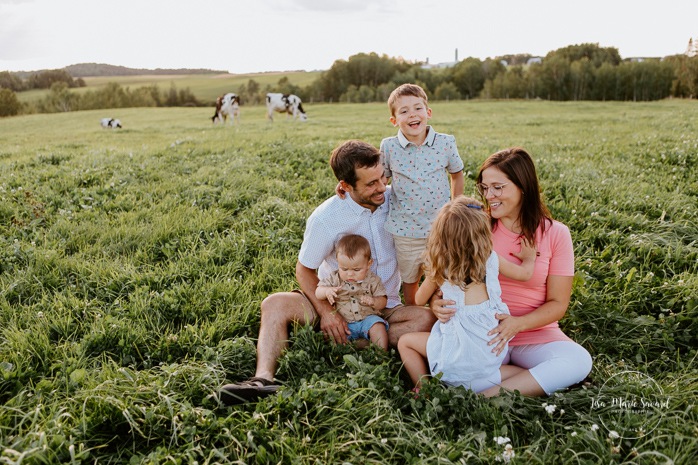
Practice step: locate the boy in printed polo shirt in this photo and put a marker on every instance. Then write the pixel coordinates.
(419, 160)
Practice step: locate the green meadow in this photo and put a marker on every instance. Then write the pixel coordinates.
(133, 263)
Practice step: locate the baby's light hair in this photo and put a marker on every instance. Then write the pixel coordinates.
(459, 244)
(352, 245)
(404, 90)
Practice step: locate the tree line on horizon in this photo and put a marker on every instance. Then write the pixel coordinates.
(575, 72)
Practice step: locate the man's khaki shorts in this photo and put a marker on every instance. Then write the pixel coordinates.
(409, 257)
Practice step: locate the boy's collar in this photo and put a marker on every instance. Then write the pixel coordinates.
(429, 140)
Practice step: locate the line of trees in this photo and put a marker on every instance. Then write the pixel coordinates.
(62, 99)
(579, 72)
(576, 72)
(41, 80)
(113, 95)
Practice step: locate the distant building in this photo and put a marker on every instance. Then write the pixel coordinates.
(641, 59)
(445, 64)
(534, 60)
(692, 48)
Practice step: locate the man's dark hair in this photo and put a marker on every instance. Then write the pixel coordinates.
(351, 155)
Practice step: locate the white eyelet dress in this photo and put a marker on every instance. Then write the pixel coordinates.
(458, 348)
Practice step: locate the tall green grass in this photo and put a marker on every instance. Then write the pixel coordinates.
(133, 263)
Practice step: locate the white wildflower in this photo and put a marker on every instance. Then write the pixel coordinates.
(501, 440)
(384, 441)
(574, 433)
(594, 427)
(549, 408)
(613, 434)
(508, 453)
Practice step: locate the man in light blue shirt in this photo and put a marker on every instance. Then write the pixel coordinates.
(363, 211)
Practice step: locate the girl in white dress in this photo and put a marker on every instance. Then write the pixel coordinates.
(461, 262)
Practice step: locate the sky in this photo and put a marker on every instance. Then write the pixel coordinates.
(248, 36)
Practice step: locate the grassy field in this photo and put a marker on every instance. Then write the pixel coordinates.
(206, 87)
(133, 263)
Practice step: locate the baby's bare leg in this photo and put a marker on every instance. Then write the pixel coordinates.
(378, 335)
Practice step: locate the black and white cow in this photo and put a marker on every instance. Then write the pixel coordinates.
(110, 123)
(285, 103)
(227, 105)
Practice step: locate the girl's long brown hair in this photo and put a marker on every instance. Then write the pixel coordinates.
(459, 244)
(518, 166)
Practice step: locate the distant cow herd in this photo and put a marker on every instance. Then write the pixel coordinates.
(228, 106)
(228, 109)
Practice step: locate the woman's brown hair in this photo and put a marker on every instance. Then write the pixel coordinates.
(518, 166)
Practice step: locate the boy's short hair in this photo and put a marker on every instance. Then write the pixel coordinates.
(406, 89)
(353, 244)
(349, 156)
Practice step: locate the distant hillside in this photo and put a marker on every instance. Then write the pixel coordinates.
(101, 69)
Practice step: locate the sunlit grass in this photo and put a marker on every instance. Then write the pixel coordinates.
(133, 263)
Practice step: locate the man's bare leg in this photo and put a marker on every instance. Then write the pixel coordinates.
(408, 319)
(278, 311)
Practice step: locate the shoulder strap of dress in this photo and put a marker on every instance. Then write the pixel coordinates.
(492, 275)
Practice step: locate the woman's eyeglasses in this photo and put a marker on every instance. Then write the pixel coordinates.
(496, 189)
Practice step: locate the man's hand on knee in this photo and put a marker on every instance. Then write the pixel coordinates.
(334, 327)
